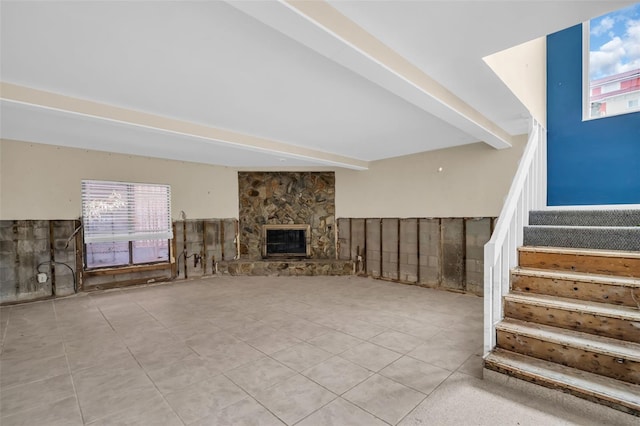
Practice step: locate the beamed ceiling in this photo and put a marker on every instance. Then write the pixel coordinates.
(268, 83)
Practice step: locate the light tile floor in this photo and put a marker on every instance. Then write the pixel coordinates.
(257, 351)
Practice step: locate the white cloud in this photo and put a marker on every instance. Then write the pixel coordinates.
(619, 54)
(612, 45)
(631, 45)
(633, 38)
(605, 25)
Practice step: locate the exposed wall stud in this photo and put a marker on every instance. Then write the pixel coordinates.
(79, 242)
(184, 246)
(350, 238)
(52, 258)
(441, 263)
(173, 253)
(364, 253)
(237, 238)
(204, 247)
(381, 255)
(418, 250)
(222, 241)
(398, 251)
(464, 253)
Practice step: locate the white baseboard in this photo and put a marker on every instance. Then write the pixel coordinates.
(596, 207)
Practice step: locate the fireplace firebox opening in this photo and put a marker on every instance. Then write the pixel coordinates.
(286, 240)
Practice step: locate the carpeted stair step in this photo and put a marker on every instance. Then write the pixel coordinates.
(585, 217)
(593, 387)
(594, 237)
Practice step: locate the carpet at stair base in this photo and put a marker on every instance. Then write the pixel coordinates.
(594, 237)
(585, 217)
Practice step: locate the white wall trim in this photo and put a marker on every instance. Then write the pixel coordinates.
(596, 207)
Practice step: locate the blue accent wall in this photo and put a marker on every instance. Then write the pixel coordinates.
(591, 162)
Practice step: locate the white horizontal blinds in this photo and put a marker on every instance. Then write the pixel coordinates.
(119, 211)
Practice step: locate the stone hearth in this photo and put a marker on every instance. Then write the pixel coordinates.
(291, 267)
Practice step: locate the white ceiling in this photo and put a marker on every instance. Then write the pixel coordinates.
(265, 70)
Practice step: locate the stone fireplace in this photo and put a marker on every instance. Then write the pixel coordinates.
(300, 202)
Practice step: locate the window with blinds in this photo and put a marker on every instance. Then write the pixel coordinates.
(125, 223)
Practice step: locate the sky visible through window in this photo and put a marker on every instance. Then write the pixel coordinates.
(614, 63)
(614, 43)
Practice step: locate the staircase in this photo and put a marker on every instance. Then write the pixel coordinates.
(572, 315)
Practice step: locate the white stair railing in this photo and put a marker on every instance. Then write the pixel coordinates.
(528, 192)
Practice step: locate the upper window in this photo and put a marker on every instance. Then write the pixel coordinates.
(612, 66)
(125, 223)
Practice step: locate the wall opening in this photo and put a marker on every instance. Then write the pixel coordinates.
(286, 241)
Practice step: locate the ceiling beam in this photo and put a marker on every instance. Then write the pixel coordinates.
(322, 28)
(53, 101)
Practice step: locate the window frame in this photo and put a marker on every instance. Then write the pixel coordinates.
(130, 264)
(586, 81)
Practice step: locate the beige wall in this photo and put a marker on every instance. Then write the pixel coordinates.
(473, 182)
(43, 181)
(1, 172)
(523, 69)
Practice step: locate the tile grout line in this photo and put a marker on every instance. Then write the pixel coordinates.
(255, 399)
(6, 327)
(222, 373)
(437, 366)
(364, 307)
(402, 384)
(426, 397)
(317, 409)
(276, 384)
(157, 389)
(10, 387)
(66, 357)
(295, 373)
(341, 396)
(146, 373)
(139, 365)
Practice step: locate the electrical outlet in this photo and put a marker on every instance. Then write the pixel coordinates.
(42, 278)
